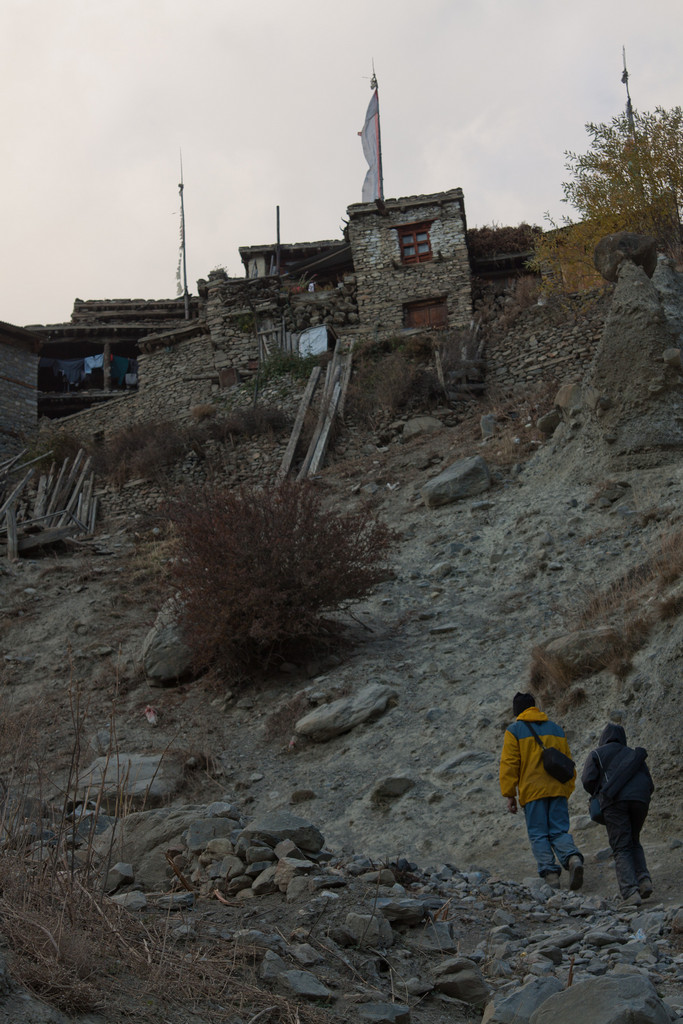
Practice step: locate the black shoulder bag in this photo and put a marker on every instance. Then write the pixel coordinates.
(557, 764)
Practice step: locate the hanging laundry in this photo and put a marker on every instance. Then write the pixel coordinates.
(119, 369)
(93, 363)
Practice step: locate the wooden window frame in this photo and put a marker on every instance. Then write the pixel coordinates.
(409, 244)
(410, 309)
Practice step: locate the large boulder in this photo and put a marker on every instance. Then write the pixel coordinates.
(669, 285)
(344, 714)
(165, 655)
(421, 425)
(606, 1000)
(612, 250)
(142, 840)
(516, 1007)
(274, 827)
(463, 479)
(126, 781)
(638, 424)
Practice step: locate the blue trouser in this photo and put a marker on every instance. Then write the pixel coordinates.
(547, 823)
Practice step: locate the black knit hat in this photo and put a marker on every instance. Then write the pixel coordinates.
(522, 701)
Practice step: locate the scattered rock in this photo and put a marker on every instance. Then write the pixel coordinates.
(342, 715)
(165, 655)
(463, 479)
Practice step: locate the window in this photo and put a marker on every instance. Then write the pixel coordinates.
(414, 242)
(431, 313)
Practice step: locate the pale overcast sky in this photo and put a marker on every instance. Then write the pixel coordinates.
(265, 99)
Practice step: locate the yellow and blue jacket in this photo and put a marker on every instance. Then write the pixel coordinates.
(520, 762)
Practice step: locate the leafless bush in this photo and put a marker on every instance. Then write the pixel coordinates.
(252, 422)
(382, 387)
(256, 569)
(141, 450)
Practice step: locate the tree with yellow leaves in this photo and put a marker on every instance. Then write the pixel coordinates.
(630, 179)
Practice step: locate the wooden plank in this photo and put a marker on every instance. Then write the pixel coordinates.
(305, 402)
(41, 497)
(439, 371)
(347, 366)
(46, 537)
(84, 505)
(323, 440)
(6, 466)
(12, 548)
(93, 516)
(52, 504)
(71, 504)
(333, 371)
(15, 493)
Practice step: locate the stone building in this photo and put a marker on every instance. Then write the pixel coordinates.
(411, 263)
(19, 355)
(401, 265)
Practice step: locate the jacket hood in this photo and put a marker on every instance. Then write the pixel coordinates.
(532, 715)
(613, 733)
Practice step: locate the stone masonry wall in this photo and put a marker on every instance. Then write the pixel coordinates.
(18, 394)
(233, 307)
(545, 344)
(386, 285)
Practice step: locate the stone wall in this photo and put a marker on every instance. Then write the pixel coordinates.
(544, 344)
(386, 285)
(235, 307)
(18, 394)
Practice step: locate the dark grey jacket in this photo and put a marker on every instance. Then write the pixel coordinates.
(616, 771)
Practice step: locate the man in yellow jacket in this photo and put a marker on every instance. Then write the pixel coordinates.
(542, 797)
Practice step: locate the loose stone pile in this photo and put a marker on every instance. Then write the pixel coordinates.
(395, 942)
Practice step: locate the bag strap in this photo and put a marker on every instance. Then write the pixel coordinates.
(602, 776)
(535, 735)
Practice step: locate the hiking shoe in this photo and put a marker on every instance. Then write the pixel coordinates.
(575, 868)
(552, 879)
(632, 900)
(646, 888)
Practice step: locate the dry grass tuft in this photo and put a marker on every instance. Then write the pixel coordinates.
(631, 605)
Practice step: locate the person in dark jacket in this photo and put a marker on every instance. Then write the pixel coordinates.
(618, 775)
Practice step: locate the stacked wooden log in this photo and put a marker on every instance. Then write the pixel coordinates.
(62, 504)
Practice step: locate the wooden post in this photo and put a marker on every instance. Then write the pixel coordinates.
(12, 544)
(287, 458)
(106, 366)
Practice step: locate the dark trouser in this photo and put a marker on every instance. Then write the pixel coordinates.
(624, 820)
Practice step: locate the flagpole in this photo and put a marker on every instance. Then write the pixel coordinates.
(380, 176)
(629, 106)
(181, 188)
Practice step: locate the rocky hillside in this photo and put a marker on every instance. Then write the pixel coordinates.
(406, 892)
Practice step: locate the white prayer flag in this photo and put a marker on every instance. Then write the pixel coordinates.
(372, 186)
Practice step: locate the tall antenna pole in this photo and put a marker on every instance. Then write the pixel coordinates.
(277, 247)
(181, 188)
(629, 106)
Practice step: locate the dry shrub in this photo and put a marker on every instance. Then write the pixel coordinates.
(81, 953)
(457, 349)
(203, 412)
(629, 605)
(141, 450)
(382, 387)
(495, 240)
(256, 569)
(253, 421)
